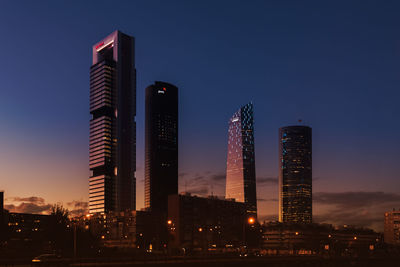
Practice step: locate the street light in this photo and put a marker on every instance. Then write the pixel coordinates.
(249, 221)
(169, 222)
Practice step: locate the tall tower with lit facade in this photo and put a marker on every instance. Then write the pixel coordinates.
(295, 174)
(112, 148)
(161, 146)
(240, 167)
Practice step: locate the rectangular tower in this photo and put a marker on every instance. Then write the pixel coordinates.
(161, 138)
(1, 208)
(240, 167)
(112, 182)
(295, 174)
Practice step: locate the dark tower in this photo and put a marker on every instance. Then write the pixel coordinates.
(112, 183)
(1, 202)
(241, 167)
(3, 237)
(1, 207)
(295, 174)
(161, 137)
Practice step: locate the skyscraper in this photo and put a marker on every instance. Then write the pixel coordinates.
(112, 182)
(1, 209)
(161, 138)
(240, 167)
(295, 174)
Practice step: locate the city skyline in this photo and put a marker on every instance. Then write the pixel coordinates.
(325, 73)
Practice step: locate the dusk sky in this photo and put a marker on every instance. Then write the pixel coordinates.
(334, 65)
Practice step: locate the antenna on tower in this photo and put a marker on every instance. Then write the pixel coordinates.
(300, 121)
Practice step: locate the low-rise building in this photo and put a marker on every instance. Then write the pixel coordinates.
(197, 223)
(127, 229)
(392, 227)
(281, 238)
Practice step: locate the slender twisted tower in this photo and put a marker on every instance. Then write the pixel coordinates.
(240, 167)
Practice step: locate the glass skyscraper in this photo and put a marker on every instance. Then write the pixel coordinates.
(161, 146)
(240, 167)
(295, 174)
(112, 149)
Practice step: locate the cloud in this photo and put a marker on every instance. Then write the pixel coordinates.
(198, 178)
(355, 208)
(199, 191)
(77, 207)
(28, 205)
(267, 199)
(355, 199)
(203, 183)
(25, 207)
(218, 177)
(77, 204)
(38, 205)
(266, 181)
(38, 200)
(363, 218)
(182, 174)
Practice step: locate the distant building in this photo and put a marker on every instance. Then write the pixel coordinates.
(161, 145)
(24, 230)
(297, 239)
(295, 174)
(1, 205)
(125, 229)
(240, 167)
(2, 221)
(27, 232)
(1, 202)
(205, 223)
(112, 182)
(392, 227)
(26, 225)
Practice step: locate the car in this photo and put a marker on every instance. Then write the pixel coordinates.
(45, 259)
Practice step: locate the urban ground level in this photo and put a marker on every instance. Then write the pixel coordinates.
(275, 261)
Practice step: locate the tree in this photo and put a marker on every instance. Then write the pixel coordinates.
(60, 230)
(60, 214)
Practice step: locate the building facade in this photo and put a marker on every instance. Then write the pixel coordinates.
(125, 229)
(205, 223)
(295, 174)
(112, 182)
(392, 227)
(2, 222)
(161, 145)
(301, 239)
(1, 205)
(240, 167)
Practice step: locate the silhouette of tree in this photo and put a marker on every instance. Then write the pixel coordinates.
(60, 214)
(60, 230)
